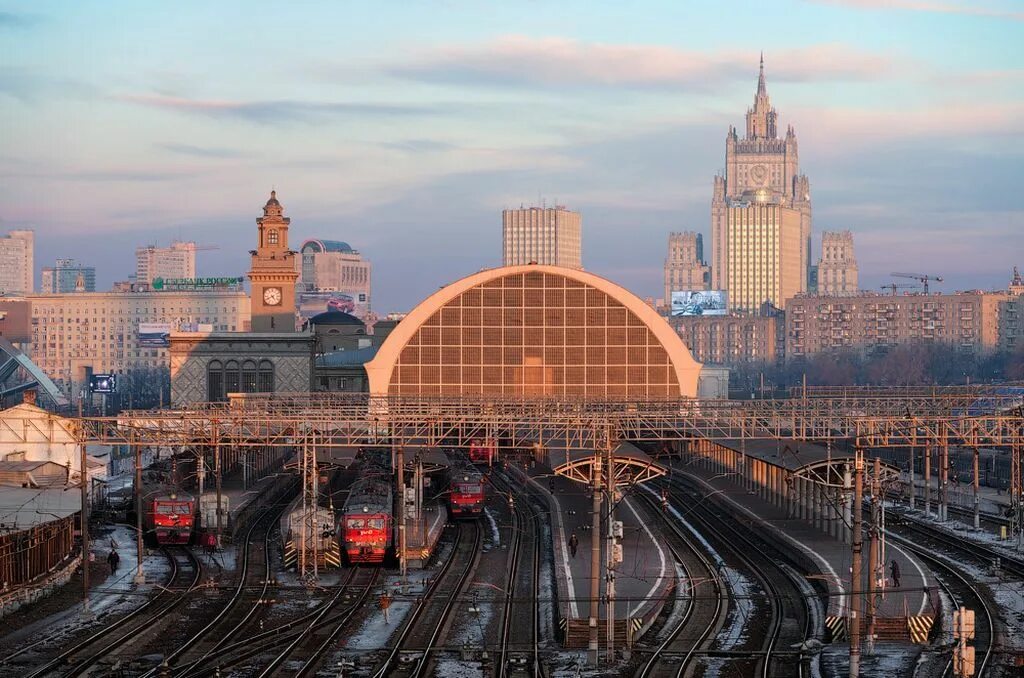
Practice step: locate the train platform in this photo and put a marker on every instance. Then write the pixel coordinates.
(991, 500)
(423, 533)
(831, 556)
(644, 578)
(241, 503)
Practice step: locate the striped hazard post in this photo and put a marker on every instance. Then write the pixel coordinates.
(635, 624)
(333, 555)
(290, 557)
(835, 628)
(920, 627)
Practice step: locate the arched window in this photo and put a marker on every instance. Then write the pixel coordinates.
(266, 377)
(249, 376)
(231, 377)
(215, 381)
(272, 236)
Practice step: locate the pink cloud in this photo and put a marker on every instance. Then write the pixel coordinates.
(927, 6)
(563, 61)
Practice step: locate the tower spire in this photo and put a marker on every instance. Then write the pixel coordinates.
(762, 89)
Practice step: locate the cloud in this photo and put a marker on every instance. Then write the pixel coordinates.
(561, 62)
(204, 151)
(927, 6)
(270, 112)
(29, 86)
(419, 146)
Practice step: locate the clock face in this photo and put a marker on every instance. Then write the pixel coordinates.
(759, 173)
(272, 296)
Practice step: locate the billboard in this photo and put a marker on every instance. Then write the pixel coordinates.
(103, 383)
(700, 302)
(154, 335)
(315, 303)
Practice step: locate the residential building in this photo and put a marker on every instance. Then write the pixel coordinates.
(1011, 315)
(176, 262)
(870, 321)
(685, 268)
(99, 332)
(730, 339)
(761, 213)
(333, 277)
(837, 268)
(68, 276)
(17, 262)
(549, 236)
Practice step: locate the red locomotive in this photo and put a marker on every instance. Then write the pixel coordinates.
(169, 516)
(466, 493)
(483, 451)
(365, 523)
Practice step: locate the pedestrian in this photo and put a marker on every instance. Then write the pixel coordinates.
(574, 543)
(894, 571)
(385, 603)
(113, 559)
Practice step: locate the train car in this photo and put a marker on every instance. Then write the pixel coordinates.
(466, 492)
(365, 525)
(324, 533)
(483, 451)
(168, 516)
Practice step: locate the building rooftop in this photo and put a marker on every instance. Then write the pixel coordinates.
(327, 246)
(351, 358)
(335, 318)
(22, 508)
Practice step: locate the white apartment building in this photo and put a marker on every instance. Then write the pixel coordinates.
(170, 263)
(72, 333)
(548, 236)
(17, 262)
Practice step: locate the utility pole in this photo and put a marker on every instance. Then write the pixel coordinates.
(943, 475)
(595, 560)
(1015, 490)
(308, 554)
(976, 486)
(856, 578)
(874, 532)
(913, 474)
(400, 467)
(217, 478)
(140, 575)
(927, 479)
(610, 575)
(84, 519)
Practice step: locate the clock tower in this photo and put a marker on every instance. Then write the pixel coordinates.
(273, 272)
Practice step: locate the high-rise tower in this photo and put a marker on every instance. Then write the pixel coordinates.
(761, 213)
(273, 273)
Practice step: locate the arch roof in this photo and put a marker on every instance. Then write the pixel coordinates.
(335, 318)
(380, 369)
(318, 246)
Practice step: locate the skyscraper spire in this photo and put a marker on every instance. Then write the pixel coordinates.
(762, 89)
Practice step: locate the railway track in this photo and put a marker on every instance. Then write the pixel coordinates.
(520, 619)
(976, 551)
(427, 621)
(963, 593)
(706, 602)
(186, 573)
(252, 579)
(785, 596)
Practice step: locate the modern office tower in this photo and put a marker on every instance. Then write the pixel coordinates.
(68, 276)
(760, 214)
(178, 261)
(17, 262)
(273, 273)
(837, 268)
(542, 235)
(685, 268)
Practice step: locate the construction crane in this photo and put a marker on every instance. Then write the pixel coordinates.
(919, 277)
(899, 286)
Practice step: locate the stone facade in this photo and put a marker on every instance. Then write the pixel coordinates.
(685, 268)
(728, 340)
(549, 236)
(761, 169)
(17, 262)
(274, 272)
(837, 268)
(284, 362)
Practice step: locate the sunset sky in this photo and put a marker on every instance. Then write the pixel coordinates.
(404, 128)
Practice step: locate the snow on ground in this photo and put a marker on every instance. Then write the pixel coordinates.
(679, 605)
(374, 632)
(889, 660)
(457, 668)
(741, 594)
(471, 627)
(495, 535)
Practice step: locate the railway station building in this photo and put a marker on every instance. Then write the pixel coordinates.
(534, 330)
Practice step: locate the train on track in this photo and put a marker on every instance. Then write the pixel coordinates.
(466, 491)
(483, 451)
(168, 515)
(365, 525)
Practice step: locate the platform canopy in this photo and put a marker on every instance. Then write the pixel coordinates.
(631, 466)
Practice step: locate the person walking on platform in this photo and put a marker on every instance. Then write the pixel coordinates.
(894, 570)
(574, 544)
(113, 559)
(385, 603)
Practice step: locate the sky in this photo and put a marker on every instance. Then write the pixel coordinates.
(404, 128)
